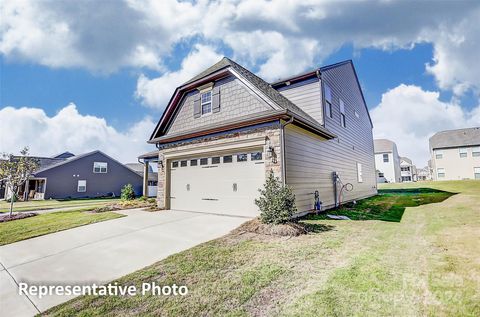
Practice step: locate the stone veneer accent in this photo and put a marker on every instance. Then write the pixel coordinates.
(272, 132)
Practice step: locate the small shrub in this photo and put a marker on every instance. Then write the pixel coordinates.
(127, 192)
(276, 202)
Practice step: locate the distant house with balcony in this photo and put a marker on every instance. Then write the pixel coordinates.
(387, 161)
(66, 175)
(408, 171)
(456, 154)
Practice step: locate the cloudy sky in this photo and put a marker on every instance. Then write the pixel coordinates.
(84, 75)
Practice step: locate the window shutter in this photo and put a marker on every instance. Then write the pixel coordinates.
(216, 99)
(197, 109)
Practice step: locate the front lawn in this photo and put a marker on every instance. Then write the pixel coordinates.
(33, 205)
(17, 230)
(424, 265)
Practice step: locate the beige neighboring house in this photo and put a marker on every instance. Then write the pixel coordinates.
(408, 171)
(456, 154)
(224, 130)
(387, 161)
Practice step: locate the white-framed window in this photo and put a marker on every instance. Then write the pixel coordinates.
(328, 101)
(206, 102)
(476, 172)
(440, 172)
(438, 154)
(100, 167)
(359, 173)
(343, 118)
(385, 158)
(380, 174)
(82, 186)
(476, 151)
(463, 152)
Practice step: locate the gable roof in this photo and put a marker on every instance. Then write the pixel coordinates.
(77, 157)
(455, 138)
(256, 82)
(383, 145)
(406, 159)
(317, 72)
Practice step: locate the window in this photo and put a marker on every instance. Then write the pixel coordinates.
(385, 158)
(203, 161)
(476, 151)
(380, 174)
(175, 164)
(100, 167)
(438, 154)
(82, 186)
(216, 160)
(241, 157)
(476, 172)
(256, 156)
(440, 172)
(343, 120)
(463, 152)
(227, 159)
(193, 162)
(359, 173)
(405, 168)
(328, 101)
(183, 163)
(206, 102)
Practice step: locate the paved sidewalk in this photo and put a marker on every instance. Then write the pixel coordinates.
(100, 252)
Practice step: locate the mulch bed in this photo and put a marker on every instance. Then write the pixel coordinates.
(16, 216)
(289, 229)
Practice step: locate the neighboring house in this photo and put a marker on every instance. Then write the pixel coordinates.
(150, 190)
(93, 174)
(408, 171)
(224, 130)
(424, 174)
(456, 154)
(387, 161)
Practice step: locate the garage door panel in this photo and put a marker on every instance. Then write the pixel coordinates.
(227, 188)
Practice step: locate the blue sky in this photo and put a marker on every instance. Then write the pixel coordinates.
(108, 68)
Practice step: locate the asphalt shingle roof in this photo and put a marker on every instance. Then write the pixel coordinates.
(455, 138)
(383, 145)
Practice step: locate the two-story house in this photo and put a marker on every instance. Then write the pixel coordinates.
(456, 154)
(224, 130)
(387, 161)
(408, 171)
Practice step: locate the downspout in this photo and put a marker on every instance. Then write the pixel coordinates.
(282, 140)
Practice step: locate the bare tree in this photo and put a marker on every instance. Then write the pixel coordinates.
(15, 171)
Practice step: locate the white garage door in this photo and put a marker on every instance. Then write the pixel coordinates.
(226, 184)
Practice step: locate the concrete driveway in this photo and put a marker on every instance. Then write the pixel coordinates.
(100, 253)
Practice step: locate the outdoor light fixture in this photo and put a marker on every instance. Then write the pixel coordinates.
(160, 163)
(270, 150)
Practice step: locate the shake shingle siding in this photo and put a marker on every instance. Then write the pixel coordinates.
(310, 161)
(236, 101)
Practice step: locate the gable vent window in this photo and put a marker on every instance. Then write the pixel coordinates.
(328, 101)
(463, 152)
(82, 186)
(343, 120)
(100, 167)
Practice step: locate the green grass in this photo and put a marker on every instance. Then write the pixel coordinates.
(389, 204)
(17, 230)
(52, 203)
(424, 265)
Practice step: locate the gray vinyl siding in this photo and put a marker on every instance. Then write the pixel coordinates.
(62, 180)
(308, 97)
(236, 100)
(310, 161)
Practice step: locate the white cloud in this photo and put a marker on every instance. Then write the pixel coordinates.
(156, 92)
(409, 116)
(279, 38)
(68, 130)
